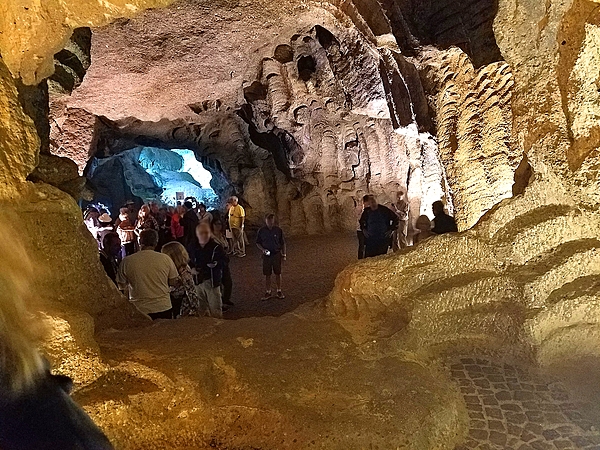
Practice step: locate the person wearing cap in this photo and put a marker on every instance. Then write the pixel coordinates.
(104, 227)
(90, 218)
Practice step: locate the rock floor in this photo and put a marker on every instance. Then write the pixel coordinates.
(308, 274)
(511, 407)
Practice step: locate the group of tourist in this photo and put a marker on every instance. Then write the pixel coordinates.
(381, 228)
(175, 261)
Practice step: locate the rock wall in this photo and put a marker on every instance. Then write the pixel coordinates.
(322, 110)
(523, 282)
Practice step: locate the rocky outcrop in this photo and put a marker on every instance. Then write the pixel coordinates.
(307, 122)
(474, 130)
(284, 120)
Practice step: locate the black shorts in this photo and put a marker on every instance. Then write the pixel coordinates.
(272, 264)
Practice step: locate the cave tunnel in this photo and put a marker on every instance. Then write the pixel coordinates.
(462, 314)
(149, 174)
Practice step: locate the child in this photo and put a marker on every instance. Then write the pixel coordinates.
(271, 243)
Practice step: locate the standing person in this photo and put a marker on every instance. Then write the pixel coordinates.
(109, 254)
(176, 228)
(148, 276)
(424, 226)
(90, 218)
(189, 222)
(184, 299)
(227, 285)
(377, 224)
(145, 221)
(133, 212)
(402, 209)
(237, 218)
(443, 223)
(104, 227)
(271, 242)
(209, 259)
(203, 215)
(126, 231)
(228, 233)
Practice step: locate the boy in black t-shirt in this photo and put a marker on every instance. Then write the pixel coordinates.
(271, 243)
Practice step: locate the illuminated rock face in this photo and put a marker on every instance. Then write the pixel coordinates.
(523, 282)
(299, 111)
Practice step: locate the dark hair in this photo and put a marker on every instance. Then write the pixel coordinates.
(438, 206)
(201, 205)
(188, 205)
(269, 216)
(108, 238)
(367, 197)
(149, 238)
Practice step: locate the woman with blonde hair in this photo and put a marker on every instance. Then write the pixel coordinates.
(424, 226)
(184, 299)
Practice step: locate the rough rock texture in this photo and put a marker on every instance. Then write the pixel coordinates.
(299, 111)
(523, 283)
(474, 130)
(32, 32)
(69, 278)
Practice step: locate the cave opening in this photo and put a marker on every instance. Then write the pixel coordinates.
(149, 174)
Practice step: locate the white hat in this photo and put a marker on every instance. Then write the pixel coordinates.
(105, 218)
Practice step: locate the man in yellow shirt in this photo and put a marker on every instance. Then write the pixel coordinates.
(237, 217)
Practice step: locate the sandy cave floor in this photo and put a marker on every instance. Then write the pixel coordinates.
(308, 274)
(298, 381)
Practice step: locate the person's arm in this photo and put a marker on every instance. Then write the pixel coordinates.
(283, 246)
(363, 220)
(394, 220)
(122, 282)
(174, 279)
(259, 241)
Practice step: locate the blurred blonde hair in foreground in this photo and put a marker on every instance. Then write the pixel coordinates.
(20, 361)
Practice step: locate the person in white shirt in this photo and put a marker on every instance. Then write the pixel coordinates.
(203, 215)
(148, 276)
(402, 210)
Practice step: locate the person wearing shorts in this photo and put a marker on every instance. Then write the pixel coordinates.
(271, 242)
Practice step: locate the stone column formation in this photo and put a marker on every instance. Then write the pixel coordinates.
(304, 125)
(301, 108)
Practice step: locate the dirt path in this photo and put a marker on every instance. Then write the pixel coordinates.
(308, 274)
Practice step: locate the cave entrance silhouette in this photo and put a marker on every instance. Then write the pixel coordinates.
(145, 174)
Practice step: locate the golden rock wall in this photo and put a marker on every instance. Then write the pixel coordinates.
(474, 130)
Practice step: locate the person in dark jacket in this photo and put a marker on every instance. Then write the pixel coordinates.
(189, 222)
(209, 260)
(377, 223)
(443, 223)
(109, 255)
(271, 242)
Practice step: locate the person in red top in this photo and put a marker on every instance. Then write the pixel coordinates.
(176, 227)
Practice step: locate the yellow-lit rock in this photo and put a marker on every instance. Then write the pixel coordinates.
(31, 32)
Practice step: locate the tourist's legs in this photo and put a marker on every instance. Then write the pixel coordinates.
(267, 283)
(278, 281)
(227, 286)
(361, 244)
(239, 246)
(376, 248)
(168, 314)
(210, 298)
